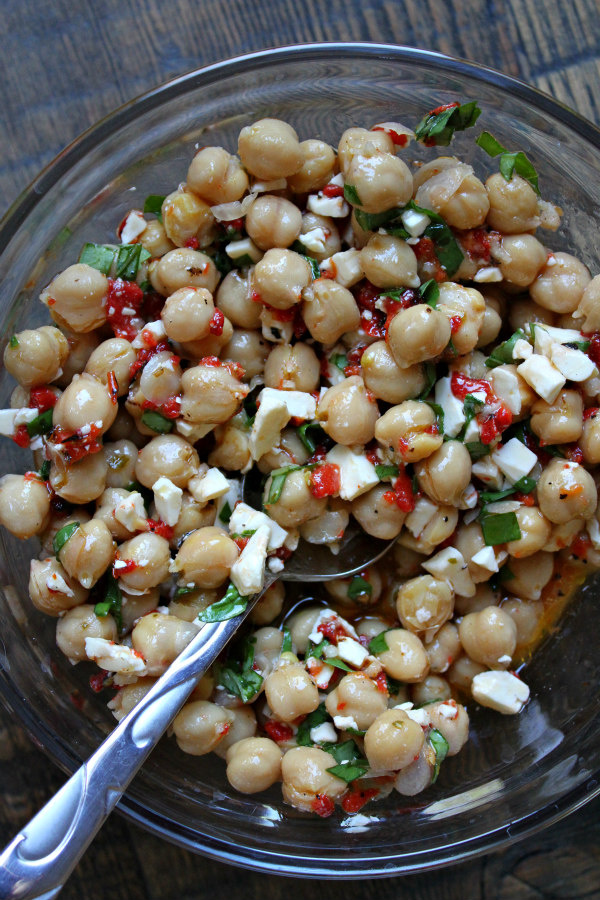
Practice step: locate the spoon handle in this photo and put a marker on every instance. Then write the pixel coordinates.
(38, 861)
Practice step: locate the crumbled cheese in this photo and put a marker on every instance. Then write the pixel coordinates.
(334, 207)
(542, 376)
(324, 733)
(514, 459)
(472, 432)
(417, 520)
(133, 227)
(420, 716)
(346, 267)
(522, 349)
(501, 691)
(505, 659)
(449, 565)
(560, 335)
(486, 559)
(25, 415)
(114, 657)
(448, 710)
(131, 512)
(344, 722)
(270, 419)
(572, 363)
(248, 571)
(506, 388)
(357, 473)
(487, 471)
(168, 499)
(488, 275)
(320, 672)
(8, 419)
(292, 539)
(245, 518)
(454, 415)
(245, 247)
(192, 431)
(330, 615)
(275, 565)
(57, 584)
(593, 529)
(150, 335)
(415, 222)
(352, 652)
(208, 485)
(273, 329)
(314, 240)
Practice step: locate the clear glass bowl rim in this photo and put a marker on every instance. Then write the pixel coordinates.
(17, 214)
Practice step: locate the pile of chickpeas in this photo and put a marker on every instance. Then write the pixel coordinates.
(271, 322)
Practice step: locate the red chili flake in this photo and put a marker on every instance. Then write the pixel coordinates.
(255, 297)
(333, 190)
(144, 356)
(318, 456)
(241, 541)
(217, 322)
(210, 361)
(402, 493)
(157, 526)
(152, 305)
(367, 295)
(349, 371)
(97, 680)
(372, 454)
(331, 270)
(593, 350)
(50, 301)
(353, 801)
(574, 453)
(580, 546)
(381, 683)
(461, 385)
(123, 295)
(113, 387)
(590, 412)
(476, 244)
(324, 367)
(455, 323)
(324, 481)
(323, 805)
(399, 139)
(495, 423)
(525, 499)
(332, 631)
(170, 409)
(278, 731)
(21, 436)
(42, 398)
(75, 444)
(441, 109)
(130, 566)
(282, 553)
(192, 243)
(425, 253)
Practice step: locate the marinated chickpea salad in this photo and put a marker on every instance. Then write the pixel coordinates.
(334, 318)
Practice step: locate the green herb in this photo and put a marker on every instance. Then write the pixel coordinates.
(225, 513)
(437, 128)
(500, 577)
(223, 263)
(499, 528)
(278, 479)
(430, 379)
(241, 262)
(14, 341)
(504, 352)
(112, 603)
(430, 292)
(525, 485)
(314, 265)
(62, 536)
(349, 771)
(439, 414)
(510, 162)
(98, 256)
(317, 650)
(45, 470)
(477, 449)
(286, 646)
(471, 406)
(441, 747)
(318, 717)
(184, 591)
(230, 606)
(584, 346)
(378, 644)
(153, 204)
(42, 424)
(384, 472)
(129, 259)
(394, 687)
(340, 361)
(157, 422)
(373, 221)
(351, 764)
(238, 677)
(351, 195)
(446, 247)
(359, 587)
(312, 440)
(337, 663)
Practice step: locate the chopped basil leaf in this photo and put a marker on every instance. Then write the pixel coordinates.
(439, 414)
(441, 747)
(378, 644)
(241, 262)
(477, 449)
(384, 472)
(317, 650)
(14, 341)
(112, 603)
(498, 578)
(446, 248)
(471, 406)
(430, 292)
(393, 686)
(129, 259)
(337, 663)
(62, 536)
(230, 606)
(98, 256)
(314, 265)
(340, 361)
(239, 678)
(351, 195)
(494, 496)
(318, 717)
(584, 346)
(350, 763)
(312, 440)
(499, 528)
(430, 379)
(349, 771)
(153, 204)
(503, 353)
(359, 587)
(525, 485)
(42, 424)
(286, 646)
(146, 493)
(184, 591)
(225, 514)
(437, 128)
(223, 262)
(278, 479)
(510, 161)
(45, 470)
(157, 422)
(373, 221)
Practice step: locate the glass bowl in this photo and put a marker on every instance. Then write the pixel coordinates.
(517, 774)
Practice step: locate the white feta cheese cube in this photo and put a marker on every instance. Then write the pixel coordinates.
(506, 387)
(208, 485)
(168, 499)
(572, 363)
(542, 376)
(248, 571)
(299, 404)
(57, 584)
(561, 335)
(25, 415)
(245, 518)
(275, 565)
(324, 733)
(338, 180)
(273, 329)
(351, 652)
(449, 565)
(417, 520)
(271, 417)
(486, 559)
(514, 459)
(488, 275)
(335, 207)
(320, 672)
(487, 471)
(330, 615)
(245, 247)
(150, 335)
(542, 342)
(501, 691)
(344, 722)
(454, 415)
(7, 421)
(133, 227)
(357, 474)
(114, 657)
(420, 716)
(472, 432)
(314, 240)
(345, 266)
(415, 222)
(522, 349)
(131, 512)
(448, 710)
(228, 501)
(192, 431)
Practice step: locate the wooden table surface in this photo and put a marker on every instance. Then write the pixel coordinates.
(66, 63)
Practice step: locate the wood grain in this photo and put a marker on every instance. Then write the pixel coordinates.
(66, 63)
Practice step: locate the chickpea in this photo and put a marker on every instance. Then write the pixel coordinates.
(186, 216)
(588, 307)
(443, 649)
(467, 304)
(270, 149)
(318, 167)
(415, 777)
(566, 491)
(37, 357)
(88, 553)
(200, 726)
(77, 298)
(188, 313)
(347, 412)
(590, 439)
(232, 448)
(115, 355)
(423, 603)
(85, 402)
(462, 673)
(469, 541)
(79, 623)
(407, 562)
(560, 422)
(483, 597)
(489, 637)
(361, 142)
(329, 311)
(81, 481)
(269, 606)
(150, 554)
(441, 525)
(182, 268)
(468, 206)
(129, 696)
(370, 627)
(160, 639)
(211, 345)
(121, 457)
(417, 334)
(211, 394)
(378, 516)
(154, 239)
(216, 176)
(273, 222)
(530, 575)
(381, 180)
(492, 321)
(134, 607)
(191, 604)
(393, 741)
(296, 503)
(24, 505)
(234, 299)
(306, 779)
(405, 659)
(280, 277)
(560, 285)
(290, 692)
(267, 649)
(385, 379)
(389, 262)
(339, 589)
(253, 764)
(520, 312)
(81, 347)
(301, 624)
(562, 535)
(291, 451)
(51, 590)
(205, 558)
(513, 204)
(535, 532)
(249, 350)
(106, 505)
(193, 515)
(527, 616)
(292, 368)
(445, 474)
(520, 257)
(124, 428)
(167, 455)
(454, 728)
(409, 430)
(358, 697)
(429, 690)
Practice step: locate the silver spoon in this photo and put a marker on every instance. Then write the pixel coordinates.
(39, 860)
